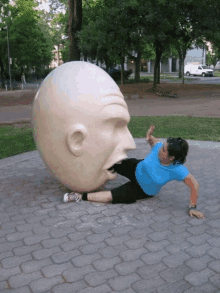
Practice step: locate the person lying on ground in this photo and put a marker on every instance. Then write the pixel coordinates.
(164, 163)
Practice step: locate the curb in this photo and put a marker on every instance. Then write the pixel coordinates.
(18, 159)
(18, 121)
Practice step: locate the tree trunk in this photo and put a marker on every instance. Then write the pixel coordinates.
(122, 70)
(180, 66)
(107, 64)
(183, 71)
(155, 74)
(183, 61)
(158, 73)
(85, 57)
(137, 67)
(58, 54)
(2, 73)
(157, 67)
(75, 24)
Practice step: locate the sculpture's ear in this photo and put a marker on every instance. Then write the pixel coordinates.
(74, 139)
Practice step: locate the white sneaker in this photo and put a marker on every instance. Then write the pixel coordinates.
(73, 196)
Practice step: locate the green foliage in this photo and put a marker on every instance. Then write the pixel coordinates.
(30, 46)
(57, 29)
(209, 58)
(111, 31)
(65, 50)
(212, 59)
(30, 42)
(155, 29)
(148, 51)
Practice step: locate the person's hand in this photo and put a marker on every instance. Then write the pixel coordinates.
(150, 132)
(196, 213)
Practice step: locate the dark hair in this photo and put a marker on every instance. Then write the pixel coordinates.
(178, 148)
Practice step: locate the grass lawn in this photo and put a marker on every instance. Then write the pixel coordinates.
(15, 141)
(217, 73)
(194, 128)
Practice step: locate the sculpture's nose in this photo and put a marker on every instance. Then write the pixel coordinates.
(129, 143)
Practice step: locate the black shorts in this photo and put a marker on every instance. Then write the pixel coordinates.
(130, 191)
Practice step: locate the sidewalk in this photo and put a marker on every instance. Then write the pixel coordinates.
(149, 246)
(136, 107)
(140, 105)
(15, 114)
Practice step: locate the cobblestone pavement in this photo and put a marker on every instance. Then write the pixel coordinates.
(149, 246)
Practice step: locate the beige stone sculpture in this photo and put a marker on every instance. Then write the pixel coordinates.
(80, 122)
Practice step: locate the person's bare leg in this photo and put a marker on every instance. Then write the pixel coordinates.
(101, 196)
(98, 196)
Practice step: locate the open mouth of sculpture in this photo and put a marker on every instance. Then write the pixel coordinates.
(112, 173)
(112, 168)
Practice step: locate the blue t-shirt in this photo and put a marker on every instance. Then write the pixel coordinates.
(152, 175)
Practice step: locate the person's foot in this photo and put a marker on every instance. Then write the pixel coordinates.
(73, 196)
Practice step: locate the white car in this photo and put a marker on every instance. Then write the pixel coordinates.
(192, 69)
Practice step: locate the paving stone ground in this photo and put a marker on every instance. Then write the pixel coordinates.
(149, 246)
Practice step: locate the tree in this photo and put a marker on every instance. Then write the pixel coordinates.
(75, 24)
(30, 45)
(124, 32)
(180, 23)
(55, 30)
(214, 57)
(182, 44)
(4, 11)
(113, 29)
(95, 38)
(208, 58)
(199, 22)
(159, 19)
(58, 18)
(111, 32)
(148, 51)
(137, 41)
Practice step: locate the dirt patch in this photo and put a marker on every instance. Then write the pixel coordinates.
(196, 100)
(142, 90)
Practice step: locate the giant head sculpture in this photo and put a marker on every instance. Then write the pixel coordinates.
(80, 122)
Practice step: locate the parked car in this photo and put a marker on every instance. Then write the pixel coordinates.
(192, 69)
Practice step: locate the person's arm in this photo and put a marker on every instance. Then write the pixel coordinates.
(191, 182)
(150, 138)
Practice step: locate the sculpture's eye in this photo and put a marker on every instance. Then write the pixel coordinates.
(121, 123)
